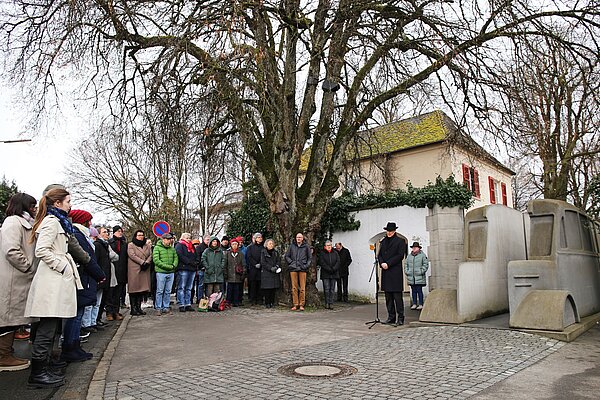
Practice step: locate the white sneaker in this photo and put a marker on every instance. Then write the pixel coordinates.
(419, 307)
(413, 307)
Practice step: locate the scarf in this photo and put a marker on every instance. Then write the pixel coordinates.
(28, 218)
(63, 218)
(138, 242)
(189, 245)
(86, 233)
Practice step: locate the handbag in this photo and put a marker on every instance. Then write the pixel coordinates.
(203, 305)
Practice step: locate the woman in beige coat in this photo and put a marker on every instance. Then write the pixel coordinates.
(16, 274)
(139, 257)
(53, 292)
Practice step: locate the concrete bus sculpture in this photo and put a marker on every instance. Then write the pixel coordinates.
(493, 235)
(559, 283)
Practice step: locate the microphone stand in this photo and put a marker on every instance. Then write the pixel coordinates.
(376, 320)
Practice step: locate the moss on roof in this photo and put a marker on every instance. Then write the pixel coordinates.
(424, 129)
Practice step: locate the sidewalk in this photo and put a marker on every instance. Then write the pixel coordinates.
(13, 385)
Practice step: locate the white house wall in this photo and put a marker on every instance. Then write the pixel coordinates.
(411, 223)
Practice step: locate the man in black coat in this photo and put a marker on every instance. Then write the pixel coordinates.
(253, 254)
(345, 261)
(119, 245)
(392, 251)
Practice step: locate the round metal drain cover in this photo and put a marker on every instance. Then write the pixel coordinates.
(316, 370)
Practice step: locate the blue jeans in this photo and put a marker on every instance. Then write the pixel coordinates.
(90, 314)
(72, 327)
(164, 283)
(417, 294)
(185, 281)
(200, 286)
(329, 289)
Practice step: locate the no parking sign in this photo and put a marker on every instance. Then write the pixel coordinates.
(160, 228)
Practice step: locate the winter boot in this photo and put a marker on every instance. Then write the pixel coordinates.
(8, 362)
(41, 378)
(70, 353)
(57, 367)
(88, 356)
(139, 305)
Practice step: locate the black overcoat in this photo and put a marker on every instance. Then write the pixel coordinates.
(329, 263)
(392, 251)
(253, 254)
(269, 262)
(345, 261)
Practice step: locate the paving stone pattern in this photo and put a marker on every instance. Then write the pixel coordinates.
(416, 363)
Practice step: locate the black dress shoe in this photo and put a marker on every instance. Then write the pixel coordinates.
(389, 322)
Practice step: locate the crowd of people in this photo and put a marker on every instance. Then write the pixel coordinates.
(66, 278)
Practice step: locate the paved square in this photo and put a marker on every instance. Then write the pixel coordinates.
(435, 362)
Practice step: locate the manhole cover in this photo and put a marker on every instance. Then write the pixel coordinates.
(316, 370)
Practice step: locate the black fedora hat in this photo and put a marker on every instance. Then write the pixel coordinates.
(391, 226)
(416, 244)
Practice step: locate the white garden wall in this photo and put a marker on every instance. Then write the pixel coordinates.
(411, 223)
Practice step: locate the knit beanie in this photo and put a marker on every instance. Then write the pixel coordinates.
(80, 216)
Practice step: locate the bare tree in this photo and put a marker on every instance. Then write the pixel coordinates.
(550, 114)
(161, 169)
(286, 73)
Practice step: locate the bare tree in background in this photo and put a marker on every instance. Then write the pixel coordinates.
(550, 115)
(165, 168)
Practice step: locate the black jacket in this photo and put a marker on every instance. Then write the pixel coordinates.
(298, 258)
(269, 262)
(329, 263)
(188, 261)
(392, 251)
(345, 261)
(120, 247)
(103, 258)
(253, 255)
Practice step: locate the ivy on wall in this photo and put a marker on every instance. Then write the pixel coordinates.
(254, 215)
(340, 215)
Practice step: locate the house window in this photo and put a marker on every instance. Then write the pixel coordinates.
(497, 192)
(471, 179)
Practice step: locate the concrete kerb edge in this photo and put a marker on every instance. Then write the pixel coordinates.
(98, 382)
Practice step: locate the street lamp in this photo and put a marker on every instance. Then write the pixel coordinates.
(15, 141)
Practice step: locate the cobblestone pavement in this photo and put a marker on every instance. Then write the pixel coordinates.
(416, 363)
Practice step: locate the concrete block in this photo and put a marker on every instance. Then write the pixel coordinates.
(440, 306)
(551, 310)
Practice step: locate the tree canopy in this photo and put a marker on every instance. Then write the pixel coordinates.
(286, 74)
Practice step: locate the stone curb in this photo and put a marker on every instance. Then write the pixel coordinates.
(98, 382)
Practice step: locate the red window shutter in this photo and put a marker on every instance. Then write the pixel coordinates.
(466, 175)
(504, 200)
(492, 191)
(476, 181)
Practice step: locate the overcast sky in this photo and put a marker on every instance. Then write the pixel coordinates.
(33, 165)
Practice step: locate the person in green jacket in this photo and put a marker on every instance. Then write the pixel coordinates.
(415, 267)
(213, 260)
(165, 262)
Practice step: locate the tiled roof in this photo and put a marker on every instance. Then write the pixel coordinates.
(401, 135)
(425, 129)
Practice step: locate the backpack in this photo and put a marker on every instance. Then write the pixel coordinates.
(214, 301)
